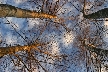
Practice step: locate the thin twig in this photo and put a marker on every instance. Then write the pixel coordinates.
(22, 62)
(39, 63)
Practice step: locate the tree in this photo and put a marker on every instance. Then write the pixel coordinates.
(46, 46)
(11, 11)
(99, 14)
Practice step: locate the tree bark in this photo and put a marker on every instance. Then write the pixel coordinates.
(14, 49)
(99, 14)
(98, 51)
(11, 11)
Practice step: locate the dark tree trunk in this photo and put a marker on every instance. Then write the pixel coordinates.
(99, 14)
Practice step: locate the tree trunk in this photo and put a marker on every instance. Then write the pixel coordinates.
(99, 14)
(14, 49)
(11, 11)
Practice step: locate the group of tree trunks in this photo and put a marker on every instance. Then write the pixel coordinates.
(12, 11)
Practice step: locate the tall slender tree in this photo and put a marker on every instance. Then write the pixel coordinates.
(12, 11)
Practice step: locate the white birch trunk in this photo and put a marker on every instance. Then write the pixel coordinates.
(11, 11)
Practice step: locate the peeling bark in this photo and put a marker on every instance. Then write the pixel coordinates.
(11, 11)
